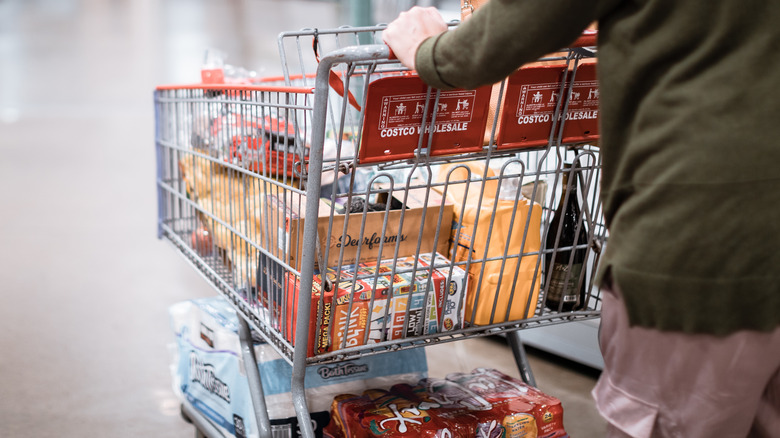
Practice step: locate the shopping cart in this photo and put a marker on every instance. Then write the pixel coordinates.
(346, 209)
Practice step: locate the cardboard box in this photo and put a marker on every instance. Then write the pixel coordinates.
(451, 292)
(368, 297)
(334, 322)
(422, 303)
(363, 236)
(390, 288)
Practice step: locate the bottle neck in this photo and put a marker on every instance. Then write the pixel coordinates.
(565, 187)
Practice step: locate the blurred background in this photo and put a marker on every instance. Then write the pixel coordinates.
(85, 283)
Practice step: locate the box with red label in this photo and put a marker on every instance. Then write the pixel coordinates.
(321, 303)
(381, 317)
(343, 311)
(435, 300)
(351, 311)
(346, 311)
(354, 317)
(408, 315)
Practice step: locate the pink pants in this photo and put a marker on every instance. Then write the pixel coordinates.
(670, 384)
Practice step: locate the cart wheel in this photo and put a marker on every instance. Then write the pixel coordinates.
(184, 414)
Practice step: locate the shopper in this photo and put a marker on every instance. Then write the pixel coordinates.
(690, 143)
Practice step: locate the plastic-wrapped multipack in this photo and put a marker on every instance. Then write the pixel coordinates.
(210, 374)
(485, 403)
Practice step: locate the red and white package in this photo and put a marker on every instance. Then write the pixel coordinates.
(485, 403)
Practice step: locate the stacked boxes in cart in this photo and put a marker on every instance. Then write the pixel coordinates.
(370, 301)
(368, 297)
(373, 304)
(375, 298)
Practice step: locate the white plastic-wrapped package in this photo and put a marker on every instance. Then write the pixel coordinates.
(209, 372)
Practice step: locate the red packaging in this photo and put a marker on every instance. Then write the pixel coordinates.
(485, 403)
(395, 110)
(350, 324)
(363, 301)
(341, 324)
(315, 330)
(499, 389)
(396, 413)
(260, 155)
(532, 96)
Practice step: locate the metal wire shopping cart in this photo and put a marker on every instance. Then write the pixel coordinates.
(346, 209)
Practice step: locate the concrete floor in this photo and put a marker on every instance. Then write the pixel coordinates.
(85, 283)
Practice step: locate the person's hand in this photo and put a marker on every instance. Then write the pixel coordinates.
(405, 34)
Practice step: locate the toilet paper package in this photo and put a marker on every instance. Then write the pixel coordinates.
(209, 372)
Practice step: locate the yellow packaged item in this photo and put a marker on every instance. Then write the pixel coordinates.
(494, 284)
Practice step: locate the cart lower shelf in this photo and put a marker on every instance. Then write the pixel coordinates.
(205, 428)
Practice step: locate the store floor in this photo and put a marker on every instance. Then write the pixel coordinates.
(85, 285)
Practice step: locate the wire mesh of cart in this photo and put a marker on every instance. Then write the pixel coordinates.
(348, 209)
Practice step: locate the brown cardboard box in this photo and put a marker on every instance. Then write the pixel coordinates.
(362, 238)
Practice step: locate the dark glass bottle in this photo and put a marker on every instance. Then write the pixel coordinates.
(565, 284)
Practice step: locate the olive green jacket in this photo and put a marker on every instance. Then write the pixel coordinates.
(690, 141)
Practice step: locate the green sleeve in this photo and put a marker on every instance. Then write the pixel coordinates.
(500, 37)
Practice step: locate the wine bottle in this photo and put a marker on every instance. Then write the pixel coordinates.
(563, 293)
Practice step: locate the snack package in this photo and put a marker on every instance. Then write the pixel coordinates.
(497, 388)
(450, 293)
(373, 296)
(345, 312)
(484, 403)
(209, 372)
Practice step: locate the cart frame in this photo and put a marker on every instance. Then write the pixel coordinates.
(314, 102)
